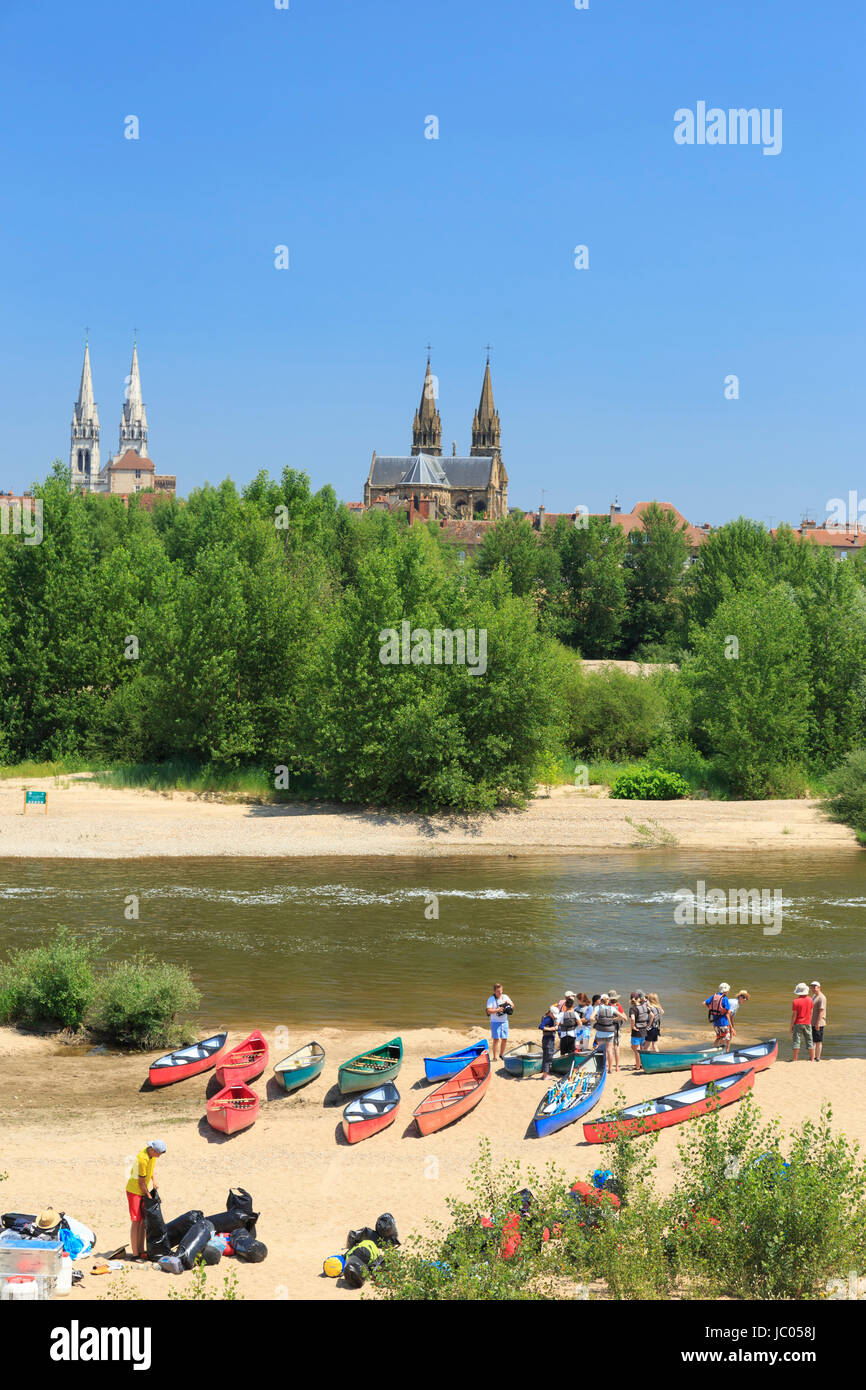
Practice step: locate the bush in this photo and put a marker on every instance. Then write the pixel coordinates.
(137, 1003)
(650, 784)
(610, 713)
(847, 799)
(50, 984)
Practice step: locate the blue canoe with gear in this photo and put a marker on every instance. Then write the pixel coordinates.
(573, 1096)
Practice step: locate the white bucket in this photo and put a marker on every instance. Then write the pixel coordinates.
(64, 1278)
(19, 1288)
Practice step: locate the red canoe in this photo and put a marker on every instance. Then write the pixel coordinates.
(234, 1108)
(756, 1058)
(374, 1110)
(669, 1110)
(188, 1061)
(245, 1062)
(454, 1097)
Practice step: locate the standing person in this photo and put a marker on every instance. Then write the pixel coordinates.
(742, 997)
(499, 1007)
(801, 1022)
(819, 1017)
(140, 1179)
(549, 1027)
(655, 1025)
(604, 1018)
(584, 1015)
(568, 1024)
(590, 1017)
(640, 1020)
(719, 1014)
(619, 1019)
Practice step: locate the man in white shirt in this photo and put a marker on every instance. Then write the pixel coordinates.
(499, 1006)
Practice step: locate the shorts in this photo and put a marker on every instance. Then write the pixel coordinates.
(723, 1030)
(652, 1035)
(135, 1199)
(802, 1035)
(566, 1045)
(499, 1026)
(638, 1039)
(818, 1033)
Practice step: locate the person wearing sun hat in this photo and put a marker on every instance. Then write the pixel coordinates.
(801, 1022)
(140, 1180)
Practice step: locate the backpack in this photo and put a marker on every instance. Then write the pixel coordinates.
(716, 1014)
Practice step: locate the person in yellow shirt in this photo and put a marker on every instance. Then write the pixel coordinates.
(141, 1181)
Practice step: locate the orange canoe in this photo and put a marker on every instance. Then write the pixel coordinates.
(454, 1097)
(233, 1109)
(245, 1062)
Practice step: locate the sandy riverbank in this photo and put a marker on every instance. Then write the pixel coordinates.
(85, 821)
(71, 1124)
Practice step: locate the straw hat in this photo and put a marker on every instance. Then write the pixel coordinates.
(802, 988)
(48, 1219)
(612, 995)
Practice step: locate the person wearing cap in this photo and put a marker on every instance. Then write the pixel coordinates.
(140, 1180)
(719, 1013)
(819, 1017)
(801, 1022)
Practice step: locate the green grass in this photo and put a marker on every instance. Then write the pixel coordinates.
(248, 783)
(60, 767)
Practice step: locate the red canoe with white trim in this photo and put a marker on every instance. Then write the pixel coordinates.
(669, 1110)
(245, 1062)
(188, 1061)
(233, 1109)
(755, 1058)
(374, 1110)
(455, 1097)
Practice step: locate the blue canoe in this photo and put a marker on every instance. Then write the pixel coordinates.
(442, 1068)
(573, 1096)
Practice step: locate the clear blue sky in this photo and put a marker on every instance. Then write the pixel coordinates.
(306, 127)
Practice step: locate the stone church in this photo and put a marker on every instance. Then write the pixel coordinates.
(130, 469)
(456, 486)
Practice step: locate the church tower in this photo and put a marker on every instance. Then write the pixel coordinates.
(133, 416)
(84, 443)
(427, 425)
(485, 424)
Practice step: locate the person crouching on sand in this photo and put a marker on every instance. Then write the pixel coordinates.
(140, 1179)
(801, 1022)
(499, 1006)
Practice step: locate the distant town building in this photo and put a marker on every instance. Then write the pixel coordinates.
(128, 471)
(455, 487)
(842, 540)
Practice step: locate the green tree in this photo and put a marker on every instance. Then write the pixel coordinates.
(738, 554)
(655, 562)
(591, 603)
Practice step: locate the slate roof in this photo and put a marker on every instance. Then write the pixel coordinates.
(391, 471)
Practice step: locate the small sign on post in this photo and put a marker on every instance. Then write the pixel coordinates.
(35, 799)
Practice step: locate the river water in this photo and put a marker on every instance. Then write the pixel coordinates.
(346, 942)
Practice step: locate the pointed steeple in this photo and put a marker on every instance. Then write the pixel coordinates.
(84, 435)
(485, 423)
(133, 416)
(427, 425)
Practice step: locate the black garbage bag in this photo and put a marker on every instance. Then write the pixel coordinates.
(177, 1229)
(154, 1227)
(194, 1243)
(234, 1220)
(247, 1249)
(386, 1230)
(239, 1200)
(13, 1220)
(212, 1253)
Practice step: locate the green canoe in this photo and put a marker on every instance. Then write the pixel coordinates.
(523, 1059)
(300, 1067)
(677, 1061)
(371, 1068)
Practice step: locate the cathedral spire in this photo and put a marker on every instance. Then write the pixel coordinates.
(84, 435)
(485, 423)
(133, 416)
(427, 425)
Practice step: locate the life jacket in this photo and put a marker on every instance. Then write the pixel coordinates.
(716, 1013)
(607, 1016)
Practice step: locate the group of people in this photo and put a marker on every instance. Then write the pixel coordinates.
(808, 1017)
(578, 1023)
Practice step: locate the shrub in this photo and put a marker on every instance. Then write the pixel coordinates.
(650, 784)
(610, 713)
(137, 1003)
(52, 984)
(847, 787)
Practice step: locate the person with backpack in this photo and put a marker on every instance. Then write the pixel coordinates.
(619, 1019)
(718, 1007)
(640, 1020)
(605, 1020)
(568, 1026)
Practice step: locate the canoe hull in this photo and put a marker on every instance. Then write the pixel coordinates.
(236, 1073)
(550, 1124)
(714, 1071)
(523, 1063)
(295, 1077)
(677, 1061)
(356, 1130)
(228, 1120)
(166, 1076)
(443, 1068)
(603, 1131)
(455, 1097)
(352, 1078)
